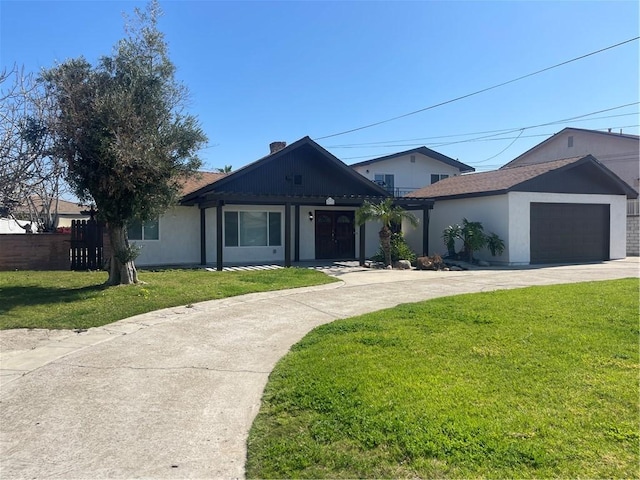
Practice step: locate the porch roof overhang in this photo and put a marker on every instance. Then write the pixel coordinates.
(213, 199)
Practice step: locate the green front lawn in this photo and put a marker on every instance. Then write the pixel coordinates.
(79, 300)
(532, 383)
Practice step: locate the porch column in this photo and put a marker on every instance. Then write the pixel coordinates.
(296, 227)
(362, 244)
(425, 230)
(287, 234)
(219, 244)
(203, 237)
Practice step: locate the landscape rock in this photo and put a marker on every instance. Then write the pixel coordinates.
(430, 263)
(483, 263)
(402, 265)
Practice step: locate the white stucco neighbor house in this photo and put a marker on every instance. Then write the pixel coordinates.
(562, 211)
(619, 152)
(403, 172)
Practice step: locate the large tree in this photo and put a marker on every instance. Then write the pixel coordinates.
(387, 214)
(122, 129)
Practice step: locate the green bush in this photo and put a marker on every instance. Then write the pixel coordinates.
(400, 250)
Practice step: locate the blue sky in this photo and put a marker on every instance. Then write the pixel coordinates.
(265, 71)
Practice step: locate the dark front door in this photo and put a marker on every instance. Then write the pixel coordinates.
(335, 235)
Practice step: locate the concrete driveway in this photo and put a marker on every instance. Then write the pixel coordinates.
(173, 393)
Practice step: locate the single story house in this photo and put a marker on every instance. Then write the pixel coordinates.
(297, 203)
(561, 211)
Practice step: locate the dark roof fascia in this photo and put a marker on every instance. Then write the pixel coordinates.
(218, 185)
(566, 129)
(221, 198)
(424, 151)
(459, 196)
(590, 159)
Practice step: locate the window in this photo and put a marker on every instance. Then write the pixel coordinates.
(437, 177)
(252, 229)
(570, 141)
(385, 180)
(149, 230)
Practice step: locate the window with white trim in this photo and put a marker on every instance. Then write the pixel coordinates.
(385, 180)
(149, 230)
(252, 229)
(436, 177)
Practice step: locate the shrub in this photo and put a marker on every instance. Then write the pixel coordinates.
(400, 250)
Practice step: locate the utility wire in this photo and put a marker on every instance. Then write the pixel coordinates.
(479, 139)
(503, 131)
(478, 91)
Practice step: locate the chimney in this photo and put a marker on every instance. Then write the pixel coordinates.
(276, 146)
(609, 130)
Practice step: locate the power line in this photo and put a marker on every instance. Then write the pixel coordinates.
(479, 139)
(503, 131)
(478, 91)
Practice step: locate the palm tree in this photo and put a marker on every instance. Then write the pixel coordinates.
(386, 213)
(225, 169)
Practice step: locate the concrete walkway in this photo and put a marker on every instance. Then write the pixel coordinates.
(173, 393)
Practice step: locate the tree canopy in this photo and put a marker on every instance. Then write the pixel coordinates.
(122, 129)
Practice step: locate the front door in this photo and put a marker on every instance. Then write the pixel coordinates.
(335, 234)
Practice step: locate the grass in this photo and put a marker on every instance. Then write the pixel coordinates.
(73, 300)
(532, 383)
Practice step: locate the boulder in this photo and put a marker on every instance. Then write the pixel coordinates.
(483, 263)
(424, 263)
(402, 265)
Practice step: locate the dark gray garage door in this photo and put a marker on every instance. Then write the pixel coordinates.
(569, 232)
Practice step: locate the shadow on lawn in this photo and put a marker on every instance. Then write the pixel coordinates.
(22, 296)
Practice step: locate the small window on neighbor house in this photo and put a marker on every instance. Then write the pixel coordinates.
(570, 141)
(386, 181)
(413, 159)
(436, 177)
(149, 230)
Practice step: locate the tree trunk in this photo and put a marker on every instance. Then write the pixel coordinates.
(122, 270)
(385, 243)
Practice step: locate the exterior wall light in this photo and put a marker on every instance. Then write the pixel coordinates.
(311, 216)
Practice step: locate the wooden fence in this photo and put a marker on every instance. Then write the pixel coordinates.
(43, 251)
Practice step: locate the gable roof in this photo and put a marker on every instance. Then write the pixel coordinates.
(427, 152)
(567, 130)
(535, 177)
(199, 180)
(323, 173)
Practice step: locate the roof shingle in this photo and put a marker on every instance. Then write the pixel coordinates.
(490, 182)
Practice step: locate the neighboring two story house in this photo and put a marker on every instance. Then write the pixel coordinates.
(404, 172)
(619, 152)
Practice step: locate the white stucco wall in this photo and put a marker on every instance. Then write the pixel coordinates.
(491, 211)
(179, 239)
(413, 235)
(408, 175)
(621, 155)
(520, 220)
(509, 217)
(9, 225)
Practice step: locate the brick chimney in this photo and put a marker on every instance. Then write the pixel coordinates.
(276, 146)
